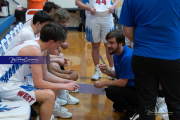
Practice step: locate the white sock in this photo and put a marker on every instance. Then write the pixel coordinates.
(112, 68)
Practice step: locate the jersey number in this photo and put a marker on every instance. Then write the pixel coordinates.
(99, 1)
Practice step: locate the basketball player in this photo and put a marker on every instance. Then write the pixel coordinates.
(49, 7)
(99, 21)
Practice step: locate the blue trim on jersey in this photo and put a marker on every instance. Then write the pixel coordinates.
(6, 44)
(5, 108)
(2, 51)
(28, 88)
(30, 75)
(111, 29)
(89, 36)
(10, 72)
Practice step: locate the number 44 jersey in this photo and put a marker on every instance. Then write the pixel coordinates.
(100, 5)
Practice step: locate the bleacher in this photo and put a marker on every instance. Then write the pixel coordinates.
(4, 43)
(12, 110)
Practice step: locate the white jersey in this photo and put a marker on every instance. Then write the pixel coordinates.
(26, 33)
(100, 5)
(15, 73)
(12, 84)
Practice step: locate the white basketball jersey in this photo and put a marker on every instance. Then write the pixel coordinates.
(15, 73)
(99, 5)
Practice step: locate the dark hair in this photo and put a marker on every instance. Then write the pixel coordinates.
(118, 34)
(60, 15)
(53, 31)
(49, 6)
(41, 16)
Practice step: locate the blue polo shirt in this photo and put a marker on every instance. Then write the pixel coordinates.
(157, 27)
(123, 67)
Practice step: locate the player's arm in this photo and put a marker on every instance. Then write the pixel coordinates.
(115, 4)
(119, 83)
(53, 56)
(80, 4)
(50, 77)
(58, 74)
(60, 61)
(129, 32)
(52, 68)
(37, 73)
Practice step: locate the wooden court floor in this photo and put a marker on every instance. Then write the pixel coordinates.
(91, 107)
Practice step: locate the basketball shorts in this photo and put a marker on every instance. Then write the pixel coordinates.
(14, 92)
(98, 27)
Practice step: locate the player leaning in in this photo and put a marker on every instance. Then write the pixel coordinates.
(12, 75)
(99, 22)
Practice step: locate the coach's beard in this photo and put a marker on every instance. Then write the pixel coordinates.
(113, 51)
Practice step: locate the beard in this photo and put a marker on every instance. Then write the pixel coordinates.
(111, 51)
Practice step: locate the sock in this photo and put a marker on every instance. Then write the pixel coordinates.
(112, 68)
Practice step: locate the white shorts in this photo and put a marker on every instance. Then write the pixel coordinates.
(17, 93)
(98, 27)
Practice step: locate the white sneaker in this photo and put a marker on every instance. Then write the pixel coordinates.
(57, 106)
(52, 118)
(75, 91)
(162, 105)
(61, 101)
(64, 109)
(59, 112)
(165, 117)
(64, 94)
(97, 74)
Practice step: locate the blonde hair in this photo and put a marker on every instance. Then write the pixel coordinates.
(60, 15)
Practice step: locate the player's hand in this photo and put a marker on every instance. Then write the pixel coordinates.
(69, 71)
(93, 11)
(103, 68)
(65, 45)
(73, 76)
(66, 62)
(61, 55)
(111, 9)
(62, 61)
(71, 86)
(98, 84)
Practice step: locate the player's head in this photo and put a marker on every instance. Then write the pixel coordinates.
(50, 7)
(115, 40)
(54, 34)
(61, 16)
(40, 18)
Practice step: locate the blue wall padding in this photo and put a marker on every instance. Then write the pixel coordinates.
(6, 22)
